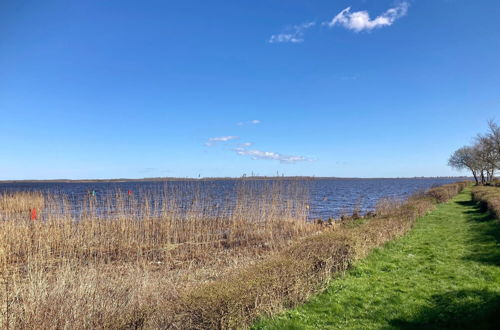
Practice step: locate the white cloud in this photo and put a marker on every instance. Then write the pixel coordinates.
(246, 144)
(269, 155)
(360, 20)
(251, 122)
(222, 138)
(285, 37)
(293, 34)
(212, 141)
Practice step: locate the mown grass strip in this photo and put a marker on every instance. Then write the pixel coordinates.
(444, 274)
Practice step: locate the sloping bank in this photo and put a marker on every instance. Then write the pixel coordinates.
(445, 274)
(292, 275)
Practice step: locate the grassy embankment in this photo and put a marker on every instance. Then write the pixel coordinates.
(444, 274)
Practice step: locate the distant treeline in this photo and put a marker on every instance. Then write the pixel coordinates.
(482, 158)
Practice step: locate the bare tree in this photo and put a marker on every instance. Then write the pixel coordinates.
(494, 135)
(466, 158)
(483, 158)
(487, 156)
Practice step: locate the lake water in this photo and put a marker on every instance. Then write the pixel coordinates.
(326, 197)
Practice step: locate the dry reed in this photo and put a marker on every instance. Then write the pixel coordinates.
(12, 203)
(123, 258)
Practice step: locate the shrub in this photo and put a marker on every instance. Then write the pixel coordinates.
(446, 192)
(488, 198)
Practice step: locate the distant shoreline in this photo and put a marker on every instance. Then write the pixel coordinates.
(167, 179)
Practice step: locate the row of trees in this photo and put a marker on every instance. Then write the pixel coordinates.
(482, 158)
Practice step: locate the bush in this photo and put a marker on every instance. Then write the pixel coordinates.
(495, 183)
(488, 198)
(446, 192)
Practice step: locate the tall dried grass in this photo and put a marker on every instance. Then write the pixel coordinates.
(12, 203)
(121, 260)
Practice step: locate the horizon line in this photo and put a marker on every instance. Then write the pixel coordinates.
(255, 177)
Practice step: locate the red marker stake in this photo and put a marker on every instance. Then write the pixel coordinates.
(33, 214)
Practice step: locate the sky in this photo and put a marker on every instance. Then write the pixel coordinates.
(354, 88)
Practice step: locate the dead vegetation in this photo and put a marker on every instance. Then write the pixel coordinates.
(15, 203)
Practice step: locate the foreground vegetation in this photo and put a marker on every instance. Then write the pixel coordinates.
(444, 274)
(126, 260)
(153, 263)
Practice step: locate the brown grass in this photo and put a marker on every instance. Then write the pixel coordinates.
(127, 262)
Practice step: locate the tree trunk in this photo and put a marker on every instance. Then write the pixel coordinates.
(475, 177)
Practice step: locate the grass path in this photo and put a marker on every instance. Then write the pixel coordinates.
(444, 274)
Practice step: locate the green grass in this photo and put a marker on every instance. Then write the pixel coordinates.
(444, 274)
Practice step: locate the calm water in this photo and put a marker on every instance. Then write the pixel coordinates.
(327, 197)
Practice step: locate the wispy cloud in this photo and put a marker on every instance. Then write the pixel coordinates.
(214, 140)
(251, 122)
(360, 20)
(269, 155)
(293, 34)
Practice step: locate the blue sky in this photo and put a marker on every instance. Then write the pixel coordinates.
(107, 89)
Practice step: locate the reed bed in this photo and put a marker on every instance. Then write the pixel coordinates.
(20, 202)
(157, 262)
(122, 228)
(116, 258)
